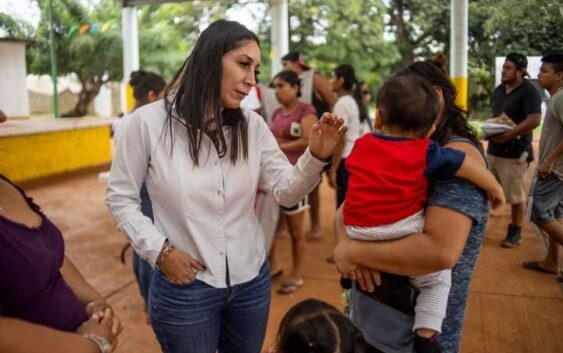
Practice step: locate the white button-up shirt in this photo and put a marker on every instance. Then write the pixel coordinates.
(206, 211)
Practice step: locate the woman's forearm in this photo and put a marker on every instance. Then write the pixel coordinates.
(23, 337)
(81, 288)
(438, 248)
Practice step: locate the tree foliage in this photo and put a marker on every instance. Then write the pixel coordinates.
(375, 36)
(330, 34)
(95, 57)
(168, 32)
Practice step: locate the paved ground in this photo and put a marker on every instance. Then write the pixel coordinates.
(510, 309)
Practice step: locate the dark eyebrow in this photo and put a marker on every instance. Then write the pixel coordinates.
(250, 58)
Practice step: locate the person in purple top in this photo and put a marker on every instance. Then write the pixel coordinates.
(38, 283)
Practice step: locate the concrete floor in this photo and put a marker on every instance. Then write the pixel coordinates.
(510, 309)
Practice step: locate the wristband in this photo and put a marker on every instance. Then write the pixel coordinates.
(166, 249)
(101, 342)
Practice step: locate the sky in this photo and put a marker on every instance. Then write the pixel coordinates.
(21, 9)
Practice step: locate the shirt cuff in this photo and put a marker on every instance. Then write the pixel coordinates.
(312, 163)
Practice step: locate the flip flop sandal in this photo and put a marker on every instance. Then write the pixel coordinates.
(289, 287)
(535, 266)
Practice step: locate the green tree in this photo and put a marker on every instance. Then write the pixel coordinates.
(168, 32)
(94, 57)
(420, 28)
(498, 27)
(330, 34)
(13, 28)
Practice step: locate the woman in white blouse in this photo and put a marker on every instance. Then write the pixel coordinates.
(202, 159)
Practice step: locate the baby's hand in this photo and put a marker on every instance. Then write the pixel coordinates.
(496, 196)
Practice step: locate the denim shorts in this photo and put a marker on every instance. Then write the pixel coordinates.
(547, 200)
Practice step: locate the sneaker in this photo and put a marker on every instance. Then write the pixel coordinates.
(513, 237)
(426, 345)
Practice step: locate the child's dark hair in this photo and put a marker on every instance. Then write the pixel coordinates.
(454, 120)
(409, 103)
(143, 82)
(350, 82)
(313, 326)
(290, 77)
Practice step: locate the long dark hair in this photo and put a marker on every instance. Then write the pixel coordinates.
(194, 96)
(144, 82)
(314, 326)
(348, 74)
(454, 119)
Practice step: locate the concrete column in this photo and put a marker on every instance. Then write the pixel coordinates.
(130, 39)
(458, 49)
(280, 34)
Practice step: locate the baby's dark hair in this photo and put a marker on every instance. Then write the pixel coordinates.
(143, 82)
(408, 103)
(290, 77)
(314, 326)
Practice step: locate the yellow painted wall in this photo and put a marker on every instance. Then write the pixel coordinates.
(26, 157)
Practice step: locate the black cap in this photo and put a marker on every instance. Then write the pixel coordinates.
(519, 60)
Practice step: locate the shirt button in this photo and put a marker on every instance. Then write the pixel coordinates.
(218, 223)
(219, 192)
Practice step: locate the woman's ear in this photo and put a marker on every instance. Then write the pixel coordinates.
(151, 97)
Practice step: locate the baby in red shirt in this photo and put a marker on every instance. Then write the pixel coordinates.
(389, 172)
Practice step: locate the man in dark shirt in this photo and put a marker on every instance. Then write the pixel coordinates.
(509, 153)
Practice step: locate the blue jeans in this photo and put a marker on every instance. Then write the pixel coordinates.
(198, 318)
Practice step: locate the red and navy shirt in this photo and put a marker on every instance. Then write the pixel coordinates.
(388, 177)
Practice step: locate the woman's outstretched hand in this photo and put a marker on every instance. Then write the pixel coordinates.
(326, 134)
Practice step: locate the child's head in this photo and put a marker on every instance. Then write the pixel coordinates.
(407, 104)
(313, 326)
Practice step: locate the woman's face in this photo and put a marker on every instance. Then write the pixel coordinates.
(239, 69)
(285, 92)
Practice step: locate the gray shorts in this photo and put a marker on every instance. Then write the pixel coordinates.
(548, 200)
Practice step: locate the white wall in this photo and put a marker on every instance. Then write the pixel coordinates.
(14, 100)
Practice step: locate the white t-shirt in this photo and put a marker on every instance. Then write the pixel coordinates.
(347, 108)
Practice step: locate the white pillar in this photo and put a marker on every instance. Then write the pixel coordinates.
(280, 34)
(130, 39)
(459, 48)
